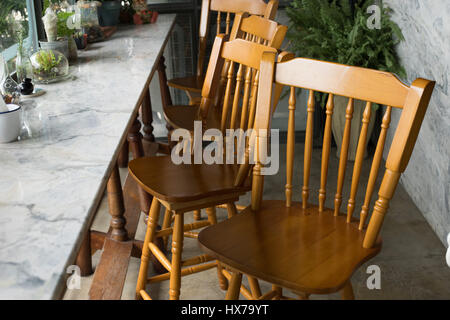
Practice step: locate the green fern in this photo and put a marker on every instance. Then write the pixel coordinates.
(330, 31)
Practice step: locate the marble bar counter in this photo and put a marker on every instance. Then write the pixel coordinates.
(51, 182)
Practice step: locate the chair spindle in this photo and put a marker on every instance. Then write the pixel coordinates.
(236, 97)
(290, 147)
(358, 160)
(326, 152)
(228, 23)
(247, 88)
(253, 95)
(375, 167)
(218, 22)
(343, 156)
(308, 149)
(226, 102)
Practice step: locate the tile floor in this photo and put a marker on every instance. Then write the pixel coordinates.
(412, 260)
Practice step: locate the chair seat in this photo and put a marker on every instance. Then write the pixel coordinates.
(193, 83)
(184, 117)
(167, 181)
(302, 250)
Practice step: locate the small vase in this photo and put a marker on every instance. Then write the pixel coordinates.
(26, 87)
(24, 69)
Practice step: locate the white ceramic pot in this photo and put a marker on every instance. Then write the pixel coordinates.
(10, 123)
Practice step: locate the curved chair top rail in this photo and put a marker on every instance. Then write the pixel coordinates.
(258, 7)
(268, 31)
(360, 83)
(253, 7)
(245, 52)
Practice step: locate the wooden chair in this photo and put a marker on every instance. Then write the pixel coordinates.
(193, 85)
(251, 28)
(308, 248)
(187, 187)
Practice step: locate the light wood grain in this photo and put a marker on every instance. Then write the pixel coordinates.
(307, 248)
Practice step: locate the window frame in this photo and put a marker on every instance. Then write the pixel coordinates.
(32, 40)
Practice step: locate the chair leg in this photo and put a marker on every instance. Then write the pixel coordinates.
(279, 292)
(235, 286)
(124, 154)
(149, 236)
(84, 257)
(177, 248)
(135, 144)
(212, 218)
(254, 287)
(231, 209)
(347, 292)
(197, 215)
(303, 296)
(147, 117)
(166, 224)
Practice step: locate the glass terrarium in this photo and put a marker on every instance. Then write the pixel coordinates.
(89, 20)
(49, 66)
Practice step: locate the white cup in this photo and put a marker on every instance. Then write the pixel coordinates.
(10, 123)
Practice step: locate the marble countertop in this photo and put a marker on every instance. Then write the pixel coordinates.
(51, 182)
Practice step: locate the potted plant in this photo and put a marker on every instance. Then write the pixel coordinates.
(64, 32)
(109, 12)
(337, 32)
(142, 14)
(49, 66)
(145, 17)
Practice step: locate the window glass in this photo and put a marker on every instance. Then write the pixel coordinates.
(16, 15)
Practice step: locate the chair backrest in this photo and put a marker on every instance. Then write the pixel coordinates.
(240, 92)
(256, 29)
(228, 8)
(240, 98)
(368, 85)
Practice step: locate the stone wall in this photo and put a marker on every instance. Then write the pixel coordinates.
(426, 53)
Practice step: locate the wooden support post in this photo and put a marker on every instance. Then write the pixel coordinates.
(166, 101)
(147, 117)
(124, 154)
(84, 260)
(135, 140)
(165, 93)
(116, 206)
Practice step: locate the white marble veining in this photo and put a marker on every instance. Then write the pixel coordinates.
(426, 53)
(49, 183)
